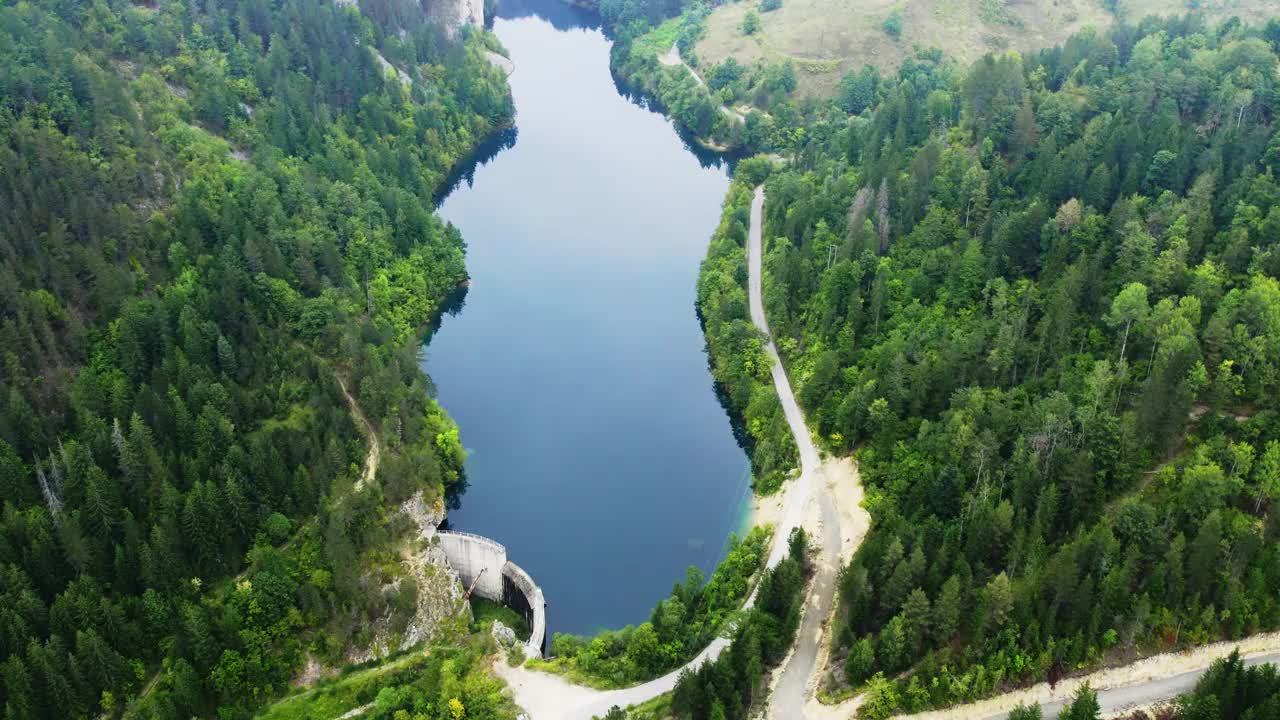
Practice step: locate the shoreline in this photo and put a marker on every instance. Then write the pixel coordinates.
(765, 509)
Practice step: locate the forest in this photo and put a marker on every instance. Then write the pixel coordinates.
(726, 688)
(678, 629)
(1038, 298)
(217, 221)
(643, 30)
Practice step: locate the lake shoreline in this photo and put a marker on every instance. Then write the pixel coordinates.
(597, 446)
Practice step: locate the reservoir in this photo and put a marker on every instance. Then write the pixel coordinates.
(574, 363)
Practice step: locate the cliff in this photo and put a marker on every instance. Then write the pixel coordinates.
(453, 14)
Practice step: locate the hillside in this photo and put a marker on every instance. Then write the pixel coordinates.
(826, 39)
(1039, 299)
(218, 254)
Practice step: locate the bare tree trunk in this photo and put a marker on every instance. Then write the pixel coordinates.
(1124, 343)
(883, 218)
(51, 499)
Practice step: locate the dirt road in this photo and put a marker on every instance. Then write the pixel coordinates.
(793, 681)
(374, 456)
(672, 57)
(1147, 682)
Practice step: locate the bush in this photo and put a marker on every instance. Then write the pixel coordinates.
(770, 5)
(753, 170)
(750, 23)
(516, 656)
(893, 24)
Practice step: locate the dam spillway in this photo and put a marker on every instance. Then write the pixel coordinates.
(482, 561)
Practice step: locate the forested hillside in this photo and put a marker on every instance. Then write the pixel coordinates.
(216, 218)
(1038, 297)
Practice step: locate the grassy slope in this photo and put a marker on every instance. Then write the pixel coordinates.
(826, 38)
(333, 698)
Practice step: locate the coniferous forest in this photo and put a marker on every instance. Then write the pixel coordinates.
(216, 221)
(1038, 299)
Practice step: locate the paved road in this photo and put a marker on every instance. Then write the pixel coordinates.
(802, 488)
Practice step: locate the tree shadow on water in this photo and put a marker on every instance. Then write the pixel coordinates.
(707, 157)
(561, 14)
(465, 172)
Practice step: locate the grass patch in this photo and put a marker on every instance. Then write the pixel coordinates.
(996, 12)
(333, 697)
(653, 709)
(564, 668)
(660, 39)
(816, 66)
(827, 38)
(405, 682)
(486, 611)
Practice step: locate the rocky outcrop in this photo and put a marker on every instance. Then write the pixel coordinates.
(503, 635)
(454, 14)
(438, 602)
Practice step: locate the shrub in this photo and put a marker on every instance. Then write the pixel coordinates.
(750, 23)
(516, 656)
(770, 5)
(893, 24)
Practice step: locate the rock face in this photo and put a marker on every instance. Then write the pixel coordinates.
(437, 593)
(505, 636)
(454, 14)
(439, 589)
(472, 12)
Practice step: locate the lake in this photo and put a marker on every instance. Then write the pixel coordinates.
(575, 365)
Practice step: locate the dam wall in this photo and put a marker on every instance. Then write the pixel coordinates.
(500, 580)
(473, 556)
(519, 586)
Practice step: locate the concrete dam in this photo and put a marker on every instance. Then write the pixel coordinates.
(500, 580)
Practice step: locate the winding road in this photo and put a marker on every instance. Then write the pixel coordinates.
(550, 697)
(787, 699)
(816, 500)
(672, 58)
(1142, 684)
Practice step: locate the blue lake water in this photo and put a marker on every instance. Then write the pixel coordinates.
(575, 366)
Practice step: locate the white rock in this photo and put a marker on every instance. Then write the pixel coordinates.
(505, 636)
